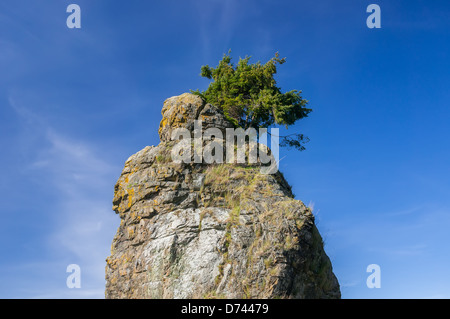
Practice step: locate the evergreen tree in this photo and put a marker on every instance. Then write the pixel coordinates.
(249, 97)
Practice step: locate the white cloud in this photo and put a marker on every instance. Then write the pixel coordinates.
(82, 223)
(85, 223)
(217, 20)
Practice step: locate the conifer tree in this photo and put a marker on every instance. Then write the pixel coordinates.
(249, 96)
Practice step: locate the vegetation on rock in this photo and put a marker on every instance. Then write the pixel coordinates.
(250, 98)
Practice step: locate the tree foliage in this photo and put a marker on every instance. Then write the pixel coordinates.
(249, 96)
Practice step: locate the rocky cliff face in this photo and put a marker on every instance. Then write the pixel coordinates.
(195, 230)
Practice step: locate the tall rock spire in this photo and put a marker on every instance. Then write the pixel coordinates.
(196, 230)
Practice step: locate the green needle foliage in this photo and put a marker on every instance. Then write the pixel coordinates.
(249, 97)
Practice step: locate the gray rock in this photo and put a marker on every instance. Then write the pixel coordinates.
(211, 230)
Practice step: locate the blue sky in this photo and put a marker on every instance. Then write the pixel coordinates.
(76, 103)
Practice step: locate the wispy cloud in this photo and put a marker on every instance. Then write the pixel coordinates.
(217, 21)
(82, 222)
(411, 250)
(85, 223)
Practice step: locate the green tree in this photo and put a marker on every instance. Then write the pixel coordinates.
(249, 97)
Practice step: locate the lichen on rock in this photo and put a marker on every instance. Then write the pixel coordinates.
(196, 230)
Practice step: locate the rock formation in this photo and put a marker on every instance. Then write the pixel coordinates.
(196, 230)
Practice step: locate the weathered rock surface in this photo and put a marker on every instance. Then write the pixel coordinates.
(210, 231)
